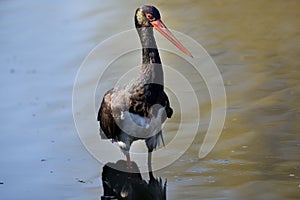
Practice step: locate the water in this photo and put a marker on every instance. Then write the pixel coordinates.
(255, 46)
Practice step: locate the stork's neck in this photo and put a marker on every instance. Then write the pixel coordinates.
(151, 69)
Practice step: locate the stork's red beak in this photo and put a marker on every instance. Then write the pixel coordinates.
(160, 27)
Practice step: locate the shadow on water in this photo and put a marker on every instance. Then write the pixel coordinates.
(117, 186)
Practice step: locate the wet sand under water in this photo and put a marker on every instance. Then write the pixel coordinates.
(255, 46)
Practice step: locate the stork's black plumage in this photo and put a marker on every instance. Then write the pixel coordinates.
(137, 99)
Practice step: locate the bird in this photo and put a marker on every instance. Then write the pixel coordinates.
(137, 110)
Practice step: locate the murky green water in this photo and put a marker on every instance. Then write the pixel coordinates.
(255, 45)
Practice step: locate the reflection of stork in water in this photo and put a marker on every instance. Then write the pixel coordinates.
(143, 101)
(115, 184)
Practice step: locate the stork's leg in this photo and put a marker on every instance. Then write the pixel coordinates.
(150, 165)
(151, 145)
(124, 142)
(128, 164)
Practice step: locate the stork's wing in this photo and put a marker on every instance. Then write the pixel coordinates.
(107, 122)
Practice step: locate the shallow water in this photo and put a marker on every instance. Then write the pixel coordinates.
(255, 46)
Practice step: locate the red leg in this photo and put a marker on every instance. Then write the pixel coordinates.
(128, 165)
(150, 165)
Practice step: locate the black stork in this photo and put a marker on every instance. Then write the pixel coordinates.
(140, 98)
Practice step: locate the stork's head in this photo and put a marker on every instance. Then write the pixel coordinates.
(149, 16)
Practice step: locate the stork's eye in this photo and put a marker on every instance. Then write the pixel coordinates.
(150, 17)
